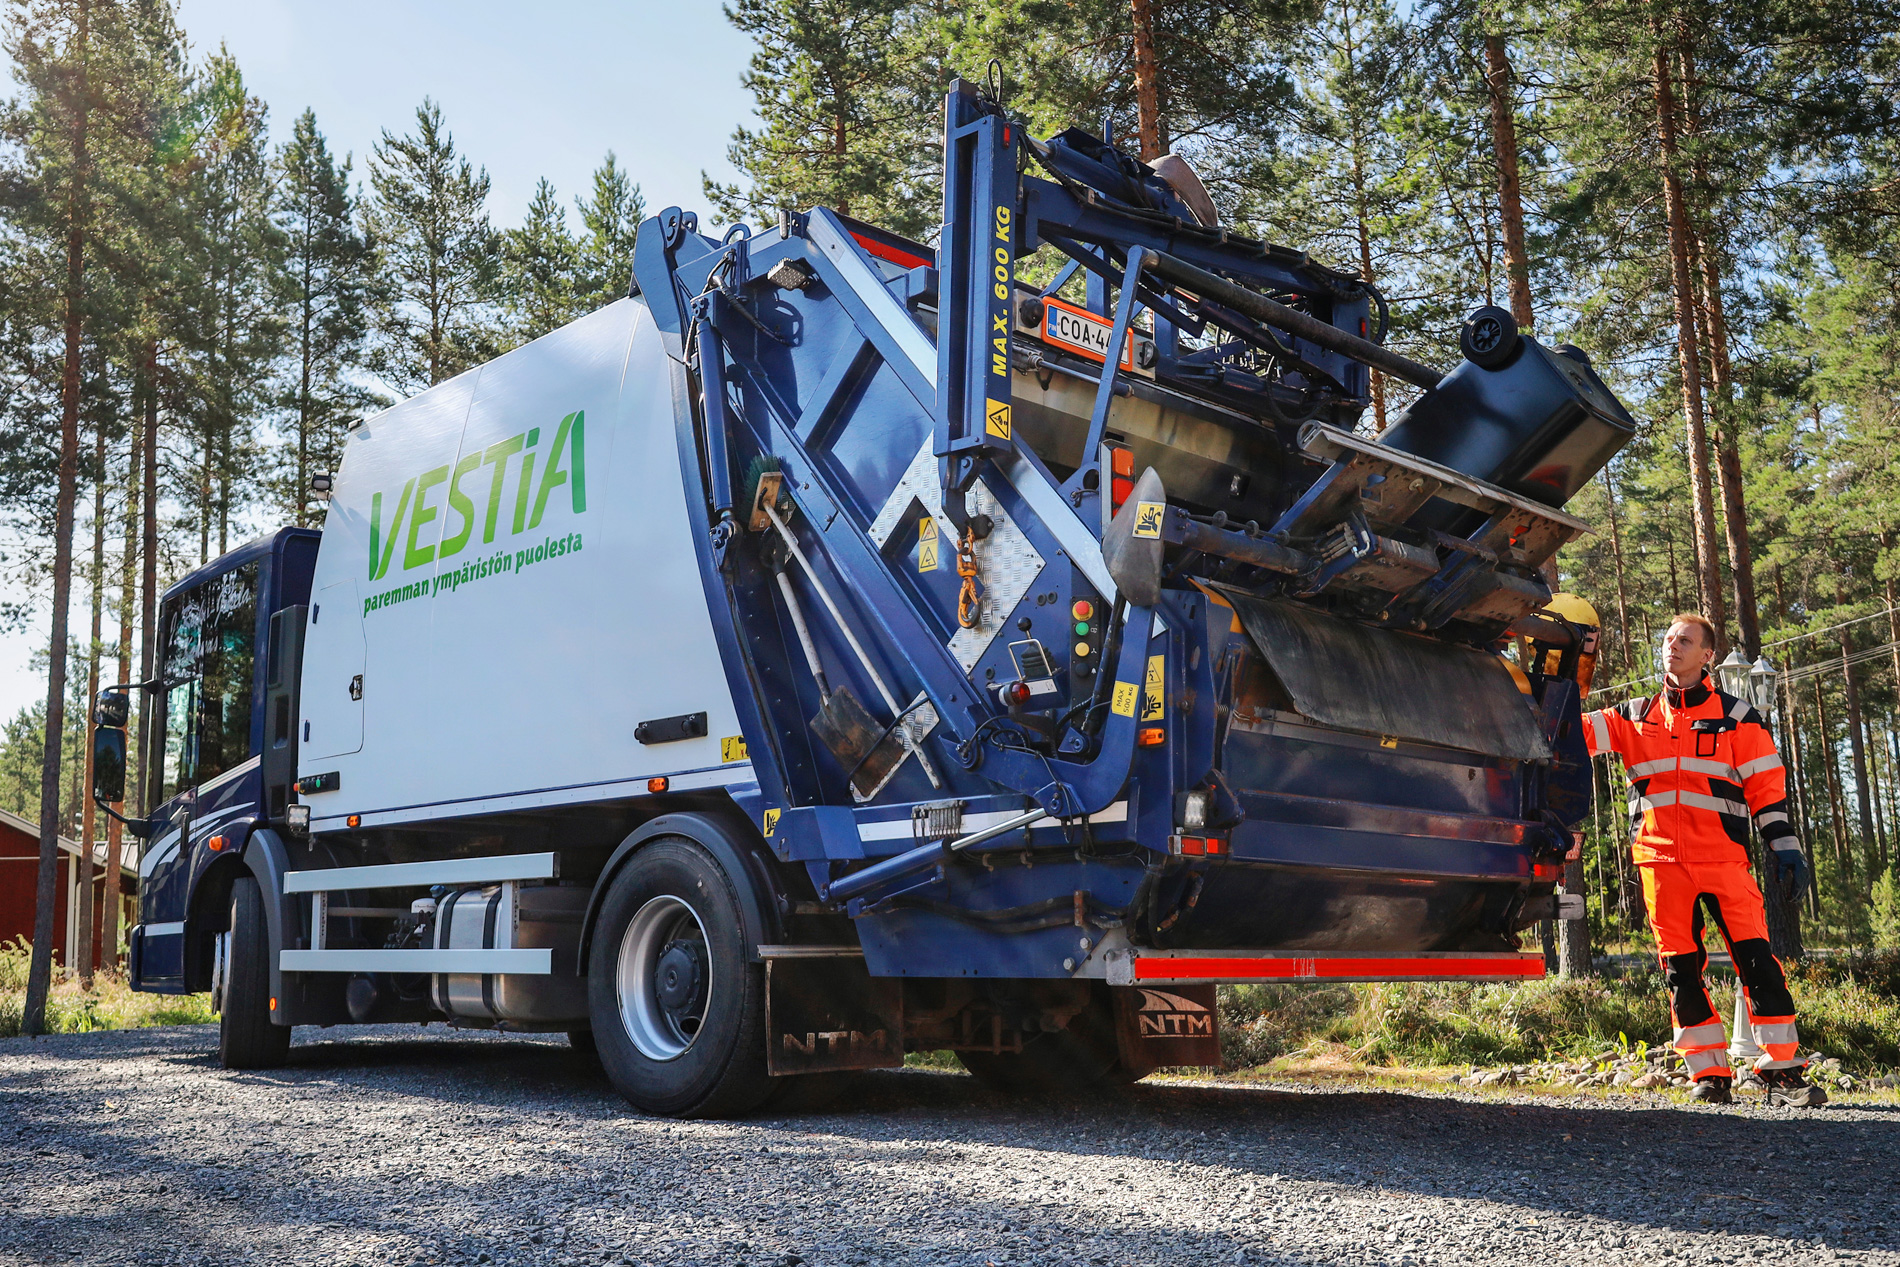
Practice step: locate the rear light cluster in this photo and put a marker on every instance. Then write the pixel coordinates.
(1199, 846)
(1121, 476)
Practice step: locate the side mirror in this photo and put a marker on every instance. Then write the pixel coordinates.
(114, 708)
(1132, 545)
(108, 764)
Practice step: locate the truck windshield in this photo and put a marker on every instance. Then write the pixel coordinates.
(210, 636)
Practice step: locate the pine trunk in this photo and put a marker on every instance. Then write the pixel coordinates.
(1856, 733)
(46, 890)
(1517, 264)
(88, 915)
(1701, 487)
(1622, 584)
(151, 702)
(1147, 87)
(128, 596)
(1830, 773)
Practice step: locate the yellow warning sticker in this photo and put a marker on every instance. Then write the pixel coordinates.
(1388, 741)
(1148, 517)
(926, 544)
(771, 821)
(1126, 693)
(1151, 691)
(732, 748)
(996, 418)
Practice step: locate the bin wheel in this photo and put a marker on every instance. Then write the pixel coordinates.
(247, 1039)
(677, 1010)
(1083, 1058)
(1489, 337)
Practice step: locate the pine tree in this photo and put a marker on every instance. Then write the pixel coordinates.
(540, 261)
(326, 282)
(611, 217)
(844, 126)
(428, 222)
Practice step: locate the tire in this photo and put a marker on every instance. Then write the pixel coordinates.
(247, 1039)
(1489, 338)
(582, 1041)
(677, 1008)
(1083, 1059)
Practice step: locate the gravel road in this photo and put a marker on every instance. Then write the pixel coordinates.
(404, 1146)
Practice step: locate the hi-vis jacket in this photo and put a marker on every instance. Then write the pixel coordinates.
(1701, 765)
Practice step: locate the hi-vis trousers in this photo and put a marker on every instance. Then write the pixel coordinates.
(1678, 895)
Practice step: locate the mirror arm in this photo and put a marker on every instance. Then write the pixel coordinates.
(140, 827)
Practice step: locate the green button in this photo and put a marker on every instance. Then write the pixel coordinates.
(1081, 628)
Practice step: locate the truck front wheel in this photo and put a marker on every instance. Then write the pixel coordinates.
(677, 1008)
(247, 1038)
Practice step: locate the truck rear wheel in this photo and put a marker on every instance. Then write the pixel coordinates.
(678, 1010)
(246, 1037)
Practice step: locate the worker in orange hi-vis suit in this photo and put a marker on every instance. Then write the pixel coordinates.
(1702, 766)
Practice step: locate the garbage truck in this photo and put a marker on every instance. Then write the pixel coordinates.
(842, 647)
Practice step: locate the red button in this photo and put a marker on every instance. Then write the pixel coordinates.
(1083, 609)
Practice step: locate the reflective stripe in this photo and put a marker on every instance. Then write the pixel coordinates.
(1661, 800)
(1790, 1061)
(1643, 769)
(1769, 817)
(1708, 1064)
(1719, 769)
(1770, 762)
(1774, 1033)
(1701, 1038)
(1600, 729)
(1740, 710)
(1695, 800)
(1786, 844)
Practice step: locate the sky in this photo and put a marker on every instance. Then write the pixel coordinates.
(532, 90)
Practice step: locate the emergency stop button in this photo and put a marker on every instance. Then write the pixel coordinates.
(1083, 609)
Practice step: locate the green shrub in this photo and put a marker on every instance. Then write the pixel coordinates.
(1849, 1007)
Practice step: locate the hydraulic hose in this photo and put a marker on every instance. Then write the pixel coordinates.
(1301, 325)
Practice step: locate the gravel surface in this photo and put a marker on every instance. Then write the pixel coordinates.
(404, 1146)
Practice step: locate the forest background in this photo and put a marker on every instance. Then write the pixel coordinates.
(1703, 197)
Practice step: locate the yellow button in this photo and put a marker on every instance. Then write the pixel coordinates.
(1082, 648)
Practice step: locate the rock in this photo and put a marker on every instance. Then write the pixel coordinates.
(1846, 1083)
(1648, 1081)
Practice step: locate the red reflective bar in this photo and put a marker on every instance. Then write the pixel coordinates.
(1512, 967)
(890, 253)
(1123, 461)
(1119, 489)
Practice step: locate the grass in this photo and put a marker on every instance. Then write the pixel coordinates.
(1849, 1007)
(110, 1004)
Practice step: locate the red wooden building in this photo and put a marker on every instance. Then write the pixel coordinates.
(19, 871)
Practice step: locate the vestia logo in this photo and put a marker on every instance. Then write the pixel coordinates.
(1164, 1015)
(428, 541)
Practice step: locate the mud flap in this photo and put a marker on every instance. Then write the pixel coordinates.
(1176, 1026)
(829, 1013)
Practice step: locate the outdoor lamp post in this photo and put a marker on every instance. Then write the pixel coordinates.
(1761, 685)
(1733, 673)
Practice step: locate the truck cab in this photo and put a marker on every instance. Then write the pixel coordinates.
(210, 747)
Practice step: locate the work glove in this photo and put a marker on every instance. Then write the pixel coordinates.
(1792, 872)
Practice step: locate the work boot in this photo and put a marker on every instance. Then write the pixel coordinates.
(1790, 1087)
(1713, 1091)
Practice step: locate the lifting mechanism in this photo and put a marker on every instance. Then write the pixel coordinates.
(1207, 499)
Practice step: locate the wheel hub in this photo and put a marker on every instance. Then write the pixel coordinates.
(682, 971)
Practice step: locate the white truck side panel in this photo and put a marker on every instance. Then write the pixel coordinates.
(533, 593)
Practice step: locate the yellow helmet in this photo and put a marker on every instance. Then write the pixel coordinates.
(1574, 609)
